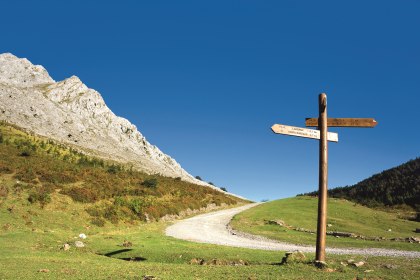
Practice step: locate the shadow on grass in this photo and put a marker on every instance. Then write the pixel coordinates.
(131, 259)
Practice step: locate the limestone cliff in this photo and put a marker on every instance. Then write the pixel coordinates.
(70, 112)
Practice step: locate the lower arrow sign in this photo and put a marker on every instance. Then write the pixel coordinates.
(302, 132)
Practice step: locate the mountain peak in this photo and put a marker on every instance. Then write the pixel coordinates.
(20, 72)
(70, 112)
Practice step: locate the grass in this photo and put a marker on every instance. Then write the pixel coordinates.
(344, 216)
(50, 193)
(110, 190)
(31, 237)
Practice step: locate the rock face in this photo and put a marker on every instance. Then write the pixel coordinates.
(70, 112)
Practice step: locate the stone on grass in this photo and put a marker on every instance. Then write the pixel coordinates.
(82, 236)
(276, 222)
(44, 270)
(321, 264)
(79, 244)
(127, 243)
(391, 266)
(66, 247)
(197, 261)
(293, 257)
(358, 264)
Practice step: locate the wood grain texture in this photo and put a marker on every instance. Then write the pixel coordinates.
(321, 233)
(302, 132)
(344, 122)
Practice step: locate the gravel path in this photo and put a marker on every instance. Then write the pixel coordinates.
(214, 228)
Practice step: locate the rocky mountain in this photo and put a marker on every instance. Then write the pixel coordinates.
(70, 112)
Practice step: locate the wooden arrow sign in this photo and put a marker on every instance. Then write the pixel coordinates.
(302, 132)
(344, 122)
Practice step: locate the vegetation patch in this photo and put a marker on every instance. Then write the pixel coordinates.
(115, 191)
(294, 220)
(397, 187)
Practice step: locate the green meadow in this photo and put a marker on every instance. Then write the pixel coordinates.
(31, 240)
(343, 216)
(51, 193)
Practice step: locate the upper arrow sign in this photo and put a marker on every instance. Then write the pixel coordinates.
(302, 132)
(344, 122)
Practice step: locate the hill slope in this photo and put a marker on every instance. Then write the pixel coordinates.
(396, 186)
(36, 168)
(70, 112)
(294, 220)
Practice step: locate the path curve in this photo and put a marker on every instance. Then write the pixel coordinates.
(213, 228)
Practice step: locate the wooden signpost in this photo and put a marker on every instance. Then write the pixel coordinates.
(343, 122)
(322, 123)
(302, 132)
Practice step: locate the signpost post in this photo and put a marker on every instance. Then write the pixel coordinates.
(322, 122)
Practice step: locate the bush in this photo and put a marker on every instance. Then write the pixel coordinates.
(136, 206)
(150, 183)
(5, 169)
(111, 214)
(25, 153)
(99, 222)
(3, 191)
(42, 196)
(82, 195)
(223, 189)
(198, 178)
(113, 169)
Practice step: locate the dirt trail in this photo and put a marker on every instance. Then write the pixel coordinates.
(213, 228)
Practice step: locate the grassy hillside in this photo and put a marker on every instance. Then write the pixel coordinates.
(397, 186)
(343, 216)
(37, 168)
(49, 194)
(31, 238)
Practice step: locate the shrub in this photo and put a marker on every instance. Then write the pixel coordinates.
(3, 191)
(111, 214)
(25, 175)
(113, 169)
(82, 194)
(120, 201)
(198, 178)
(25, 153)
(150, 183)
(136, 206)
(211, 183)
(223, 189)
(99, 222)
(5, 169)
(41, 195)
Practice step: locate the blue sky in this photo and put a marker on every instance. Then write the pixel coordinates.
(205, 80)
